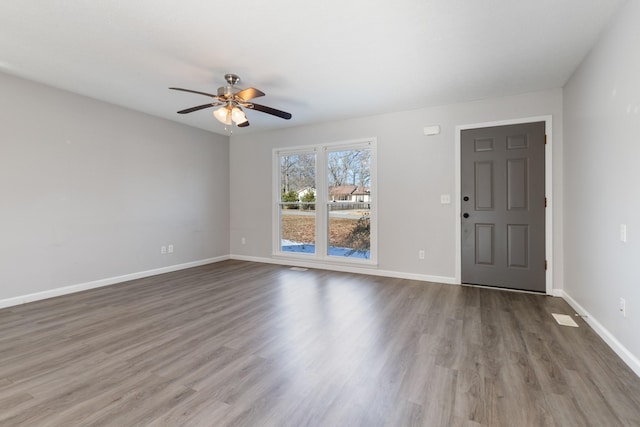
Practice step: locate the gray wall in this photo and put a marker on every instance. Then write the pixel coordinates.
(602, 180)
(90, 191)
(413, 171)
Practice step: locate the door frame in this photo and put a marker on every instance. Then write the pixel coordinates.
(548, 190)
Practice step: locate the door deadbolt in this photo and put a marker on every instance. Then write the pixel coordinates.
(465, 215)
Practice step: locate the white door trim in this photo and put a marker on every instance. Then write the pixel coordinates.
(548, 189)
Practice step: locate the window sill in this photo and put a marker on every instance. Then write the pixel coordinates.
(327, 260)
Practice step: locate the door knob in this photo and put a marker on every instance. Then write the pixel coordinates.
(465, 215)
(465, 198)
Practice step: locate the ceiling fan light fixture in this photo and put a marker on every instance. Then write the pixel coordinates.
(238, 116)
(223, 115)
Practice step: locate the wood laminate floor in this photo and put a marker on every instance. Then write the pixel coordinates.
(246, 344)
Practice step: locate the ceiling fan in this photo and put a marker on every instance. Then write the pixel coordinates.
(232, 100)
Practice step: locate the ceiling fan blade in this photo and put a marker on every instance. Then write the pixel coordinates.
(244, 125)
(195, 91)
(269, 110)
(199, 107)
(249, 93)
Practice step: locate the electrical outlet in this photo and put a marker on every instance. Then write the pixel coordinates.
(421, 254)
(170, 249)
(243, 241)
(623, 232)
(163, 250)
(622, 306)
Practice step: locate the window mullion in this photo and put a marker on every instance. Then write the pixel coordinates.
(321, 203)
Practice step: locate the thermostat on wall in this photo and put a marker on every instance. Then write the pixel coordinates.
(432, 130)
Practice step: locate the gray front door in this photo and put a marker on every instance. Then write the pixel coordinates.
(503, 204)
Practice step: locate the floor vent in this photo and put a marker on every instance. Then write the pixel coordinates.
(564, 320)
(298, 269)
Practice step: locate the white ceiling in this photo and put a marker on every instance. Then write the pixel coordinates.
(321, 60)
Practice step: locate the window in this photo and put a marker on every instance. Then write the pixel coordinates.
(325, 202)
(296, 204)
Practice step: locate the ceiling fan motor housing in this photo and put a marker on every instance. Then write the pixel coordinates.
(225, 92)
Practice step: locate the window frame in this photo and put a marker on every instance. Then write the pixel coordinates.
(322, 199)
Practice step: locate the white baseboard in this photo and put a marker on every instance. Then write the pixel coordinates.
(8, 302)
(22, 299)
(628, 358)
(350, 269)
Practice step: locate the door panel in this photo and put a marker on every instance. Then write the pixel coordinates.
(518, 245)
(517, 184)
(484, 186)
(502, 186)
(485, 244)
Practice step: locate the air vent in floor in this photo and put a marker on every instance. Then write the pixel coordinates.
(564, 320)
